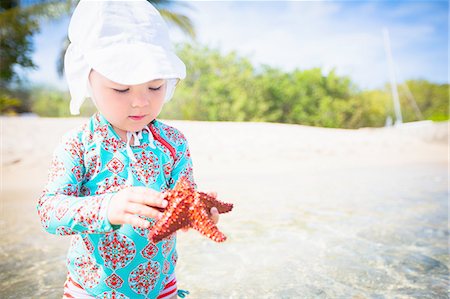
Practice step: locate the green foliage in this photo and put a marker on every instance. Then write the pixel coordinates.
(18, 23)
(42, 100)
(88, 108)
(227, 87)
(15, 100)
(8, 103)
(50, 102)
(432, 100)
(217, 88)
(17, 28)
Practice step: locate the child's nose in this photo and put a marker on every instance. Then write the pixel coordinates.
(140, 100)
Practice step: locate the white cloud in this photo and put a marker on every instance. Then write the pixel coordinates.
(302, 35)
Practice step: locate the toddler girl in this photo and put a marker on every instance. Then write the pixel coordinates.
(107, 178)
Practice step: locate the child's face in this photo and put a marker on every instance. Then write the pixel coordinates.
(127, 107)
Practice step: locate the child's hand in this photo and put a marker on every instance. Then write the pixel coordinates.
(214, 212)
(127, 204)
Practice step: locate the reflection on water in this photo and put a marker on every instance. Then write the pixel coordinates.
(378, 233)
(364, 233)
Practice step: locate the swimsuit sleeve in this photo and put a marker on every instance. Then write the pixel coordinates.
(183, 164)
(61, 207)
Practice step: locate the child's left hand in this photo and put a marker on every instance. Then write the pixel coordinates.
(214, 212)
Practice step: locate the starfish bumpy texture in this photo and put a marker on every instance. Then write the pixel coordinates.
(188, 208)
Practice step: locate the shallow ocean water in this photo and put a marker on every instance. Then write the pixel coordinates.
(368, 233)
(300, 228)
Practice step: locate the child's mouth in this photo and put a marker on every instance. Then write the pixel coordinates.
(137, 117)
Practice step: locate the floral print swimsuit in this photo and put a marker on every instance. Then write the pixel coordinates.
(90, 165)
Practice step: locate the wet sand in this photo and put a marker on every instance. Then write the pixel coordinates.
(319, 213)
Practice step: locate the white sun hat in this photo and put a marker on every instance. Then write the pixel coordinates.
(125, 41)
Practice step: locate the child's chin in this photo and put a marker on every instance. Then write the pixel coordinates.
(137, 127)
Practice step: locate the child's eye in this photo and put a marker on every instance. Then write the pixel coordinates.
(153, 88)
(120, 90)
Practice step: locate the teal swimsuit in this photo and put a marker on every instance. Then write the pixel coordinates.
(90, 165)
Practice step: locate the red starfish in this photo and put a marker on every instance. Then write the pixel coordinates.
(189, 208)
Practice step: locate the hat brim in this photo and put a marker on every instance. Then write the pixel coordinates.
(136, 63)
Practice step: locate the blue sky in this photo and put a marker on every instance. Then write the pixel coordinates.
(344, 35)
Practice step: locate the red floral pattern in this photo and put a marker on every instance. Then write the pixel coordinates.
(56, 169)
(164, 149)
(111, 295)
(62, 209)
(75, 148)
(44, 211)
(112, 185)
(93, 166)
(167, 169)
(174, 258)
(102, 131)
(64, 231)
(188, 173)
(113, 145)
(174, 135)
(87, 271)
(115, 166)
(117, 250)
(166, 267)
(69, 189)
(114, 281)
(168, 244)
(89, 136)
(146, 169)
(88, 214)
(149, 251)
(77, 172)
(144, 277)
(88, 244)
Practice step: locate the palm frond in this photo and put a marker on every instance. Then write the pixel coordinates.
(183, 22)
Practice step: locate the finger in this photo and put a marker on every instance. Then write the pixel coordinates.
(143, 210)
(214, 215)
(148, 192)
(213, 194)
(136, 221)
(148, 199)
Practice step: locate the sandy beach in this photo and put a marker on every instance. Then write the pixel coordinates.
(319, 213)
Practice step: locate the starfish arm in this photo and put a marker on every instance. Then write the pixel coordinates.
(210, 202)
(168, 224)
(206, 226)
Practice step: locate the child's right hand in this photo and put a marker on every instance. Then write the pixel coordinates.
(127, 204)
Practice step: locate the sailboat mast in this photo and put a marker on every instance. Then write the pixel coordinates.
(395, 98)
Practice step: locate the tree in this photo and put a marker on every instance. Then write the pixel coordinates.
(18, 24)
(423, 99)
